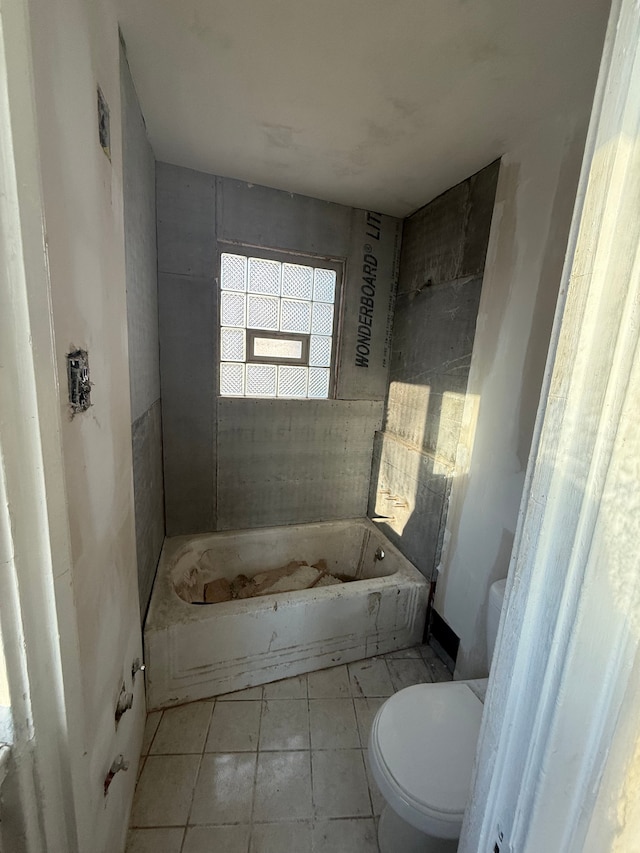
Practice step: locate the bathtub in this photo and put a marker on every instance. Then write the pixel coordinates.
(194, 651)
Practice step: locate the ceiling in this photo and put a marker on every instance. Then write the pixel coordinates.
(380, 104)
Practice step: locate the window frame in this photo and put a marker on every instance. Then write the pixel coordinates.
(283, 257)
(252, 358)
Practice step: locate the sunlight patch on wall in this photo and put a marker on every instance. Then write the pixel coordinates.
(407, 411)
(418, 453)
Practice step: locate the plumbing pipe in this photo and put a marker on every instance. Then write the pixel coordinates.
(118, 764)
(136, 667)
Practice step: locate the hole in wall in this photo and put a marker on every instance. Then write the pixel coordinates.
(104, 131)
(78, 378)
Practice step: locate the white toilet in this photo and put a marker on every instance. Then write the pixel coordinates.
(421, 749)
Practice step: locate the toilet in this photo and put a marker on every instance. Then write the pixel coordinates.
(422, 749)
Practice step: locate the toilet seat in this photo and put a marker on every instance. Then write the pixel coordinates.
(422, 749)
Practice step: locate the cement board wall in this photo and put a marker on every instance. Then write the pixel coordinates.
(441, 265)
(302, 459)
(238, 463)
(139, 198)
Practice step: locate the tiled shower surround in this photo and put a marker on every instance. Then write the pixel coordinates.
(271, 769)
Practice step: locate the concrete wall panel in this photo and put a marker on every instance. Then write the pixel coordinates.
(186, 221)
(282, 461)
(292, 461)
(443, 252)
(139, 193)
(139, 197)
(149, 497)
(371, 278)
(187, 321)
(411, 489)
(433, 341)
(260, 216)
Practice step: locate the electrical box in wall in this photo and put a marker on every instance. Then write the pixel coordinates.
(79, 384)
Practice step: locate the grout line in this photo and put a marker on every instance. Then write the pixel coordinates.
(195, 784)
(184, 837)
(388, 671)
(155, 733)
(366, 776)
(355, 720)
(206, 734)
(255, 770)
(355, 714)
(313, 797)
(143, 761)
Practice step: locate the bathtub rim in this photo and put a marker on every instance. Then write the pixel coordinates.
(166, 608)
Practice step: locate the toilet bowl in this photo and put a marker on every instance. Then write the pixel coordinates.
(421, 750)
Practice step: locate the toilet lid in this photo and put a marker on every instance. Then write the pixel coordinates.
(426, 737)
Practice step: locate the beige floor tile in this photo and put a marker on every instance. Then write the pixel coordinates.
(281, 838)
(234, 727)
(371, 678)
(404, 673)
(333, 724)
(217, 839)
(183, 730)
(340, 784)
(345, 836)
(290, 688)
(247, 695)
(284, 724)
(150, 729)
(163, 794)
(224, 790)
(283, 787)
(366, 709)
(329, 683)
(154, 840)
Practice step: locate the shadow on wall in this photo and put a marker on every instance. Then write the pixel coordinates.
(429, 418)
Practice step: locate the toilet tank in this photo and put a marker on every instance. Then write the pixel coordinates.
(494, 608)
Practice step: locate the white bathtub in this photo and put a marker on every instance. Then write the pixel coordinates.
(195, 651)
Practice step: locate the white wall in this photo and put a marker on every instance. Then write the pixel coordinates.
(534, 201)
(558, 757)
(75, 49)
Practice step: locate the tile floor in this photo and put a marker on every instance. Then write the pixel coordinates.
(274, 769)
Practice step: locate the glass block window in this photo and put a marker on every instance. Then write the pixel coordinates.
(277, 328)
